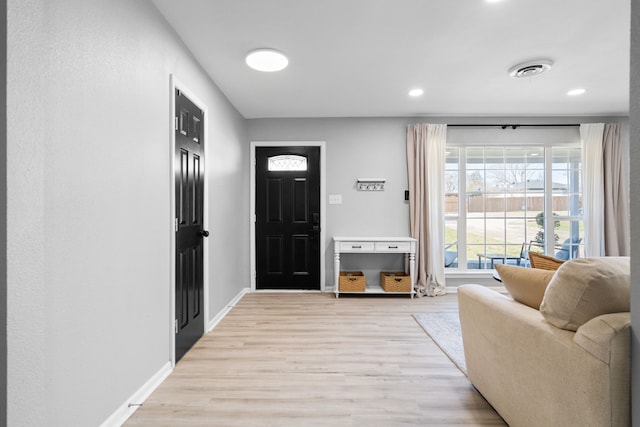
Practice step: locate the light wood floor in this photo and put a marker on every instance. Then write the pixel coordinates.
(309, 359)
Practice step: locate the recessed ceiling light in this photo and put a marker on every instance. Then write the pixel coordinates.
(267, 60)
(493, 1)
(576, 92)
(416, 92)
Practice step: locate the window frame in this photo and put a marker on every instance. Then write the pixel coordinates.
(462, 214)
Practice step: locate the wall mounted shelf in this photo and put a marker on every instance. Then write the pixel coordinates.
(370, 184)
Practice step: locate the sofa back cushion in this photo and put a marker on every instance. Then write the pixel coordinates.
(585, 288)
(526, 285)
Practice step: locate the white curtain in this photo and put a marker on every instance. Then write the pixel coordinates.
(425, 164)
(592, 188)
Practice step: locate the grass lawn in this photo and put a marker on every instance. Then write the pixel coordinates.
(502, 236)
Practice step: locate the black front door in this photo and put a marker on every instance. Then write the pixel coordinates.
(189, 174)
(287, 218)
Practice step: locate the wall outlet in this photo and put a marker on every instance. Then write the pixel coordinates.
(335, 199)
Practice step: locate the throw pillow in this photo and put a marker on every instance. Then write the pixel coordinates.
(526, 285)
(543, 261)
(585, 288)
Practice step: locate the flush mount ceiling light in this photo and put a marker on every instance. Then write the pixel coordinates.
(267, 60)
(530, 69)
(416, 92)
(577, 91)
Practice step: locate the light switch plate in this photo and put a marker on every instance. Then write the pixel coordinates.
(335, 199)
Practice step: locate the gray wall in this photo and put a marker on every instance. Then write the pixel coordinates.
(355, 148)
(88, 243)
(373, 148)
(635, 209)
(3, 214)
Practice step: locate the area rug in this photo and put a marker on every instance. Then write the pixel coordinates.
(444, 329)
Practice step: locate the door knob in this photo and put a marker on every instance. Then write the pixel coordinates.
(203, 233)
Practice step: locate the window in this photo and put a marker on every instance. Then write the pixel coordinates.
(497, 199)
(287, 162)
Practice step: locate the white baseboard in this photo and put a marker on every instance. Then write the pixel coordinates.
(218, 317)
(135, 401)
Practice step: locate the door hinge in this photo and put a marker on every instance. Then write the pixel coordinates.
(175, 323)
(175, 122)
(176, 224)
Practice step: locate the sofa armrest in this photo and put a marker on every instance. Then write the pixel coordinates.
(605, 335)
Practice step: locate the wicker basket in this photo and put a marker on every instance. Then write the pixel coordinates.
(544, 262)
(395, 281)
(352, 281)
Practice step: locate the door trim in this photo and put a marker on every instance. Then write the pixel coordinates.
(252, 195)
(175, 83)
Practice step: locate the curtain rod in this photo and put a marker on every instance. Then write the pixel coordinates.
(514, 126)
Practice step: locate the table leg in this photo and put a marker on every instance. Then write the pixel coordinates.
(412, 271)
(336, 272)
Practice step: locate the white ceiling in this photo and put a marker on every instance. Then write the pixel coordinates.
(350, 58)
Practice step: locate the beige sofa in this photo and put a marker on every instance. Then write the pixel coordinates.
(537, 374)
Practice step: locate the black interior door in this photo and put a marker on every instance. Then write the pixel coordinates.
(287, 217)
(189, 174)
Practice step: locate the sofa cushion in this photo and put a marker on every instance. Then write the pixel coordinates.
(526, 285)
(543, 261)
(585, 288)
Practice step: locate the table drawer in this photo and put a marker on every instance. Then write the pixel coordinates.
(356, 247)
(393, 247)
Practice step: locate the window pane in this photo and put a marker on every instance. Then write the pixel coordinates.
(287, 163)
(452, 157)
(516, 177)
(515, 230)
(451, 182)
(451, 204)
(569, 244)
(496, 181)
(514, 251)
(535, 158)
(473, 260)
(532, 227)
(516, 155)
(475, 158)
(494, 158)
(495, 205)
(535, 181)
(475, 204)
(475, 181)
(451, 244)
(495, 234)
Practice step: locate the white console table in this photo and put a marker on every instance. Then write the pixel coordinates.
(405, 245)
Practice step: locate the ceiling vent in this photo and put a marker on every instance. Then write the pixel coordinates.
(530, 69)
